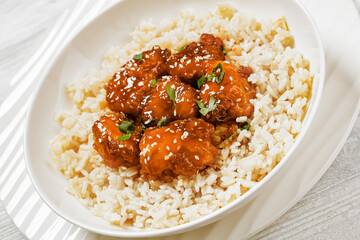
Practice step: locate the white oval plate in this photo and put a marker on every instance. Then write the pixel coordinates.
(85, 52)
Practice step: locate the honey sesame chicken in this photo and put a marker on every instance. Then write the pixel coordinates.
(232, 92)
(178, 98)
(165, 105)
(129, 88)
(182, 147)
(116, 152)
(188, 63)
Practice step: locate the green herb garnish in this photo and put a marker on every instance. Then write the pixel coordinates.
(171, 93)
(219, 78)
(162, 122)
(230, 137)
(127, 128)
(139, 57)
(200, 82)
(211, 106)
(244, 126)
(153, 82)
(126, 136)
(210, 77)
(223, 50)
(182, 47)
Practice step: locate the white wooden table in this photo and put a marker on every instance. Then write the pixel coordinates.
(331, 210)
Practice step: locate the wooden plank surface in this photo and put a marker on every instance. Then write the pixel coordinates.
(331, 210)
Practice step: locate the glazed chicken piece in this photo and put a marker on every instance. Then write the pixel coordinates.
(129, 88)
(182, 147)
(170, 99)
(188, 63)
(227, 92)
(114, 146)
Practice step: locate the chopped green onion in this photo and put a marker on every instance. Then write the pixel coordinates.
(126, 127)
(171, 93)
(153, 82)
(211, 106)
(139, 57)
(244, 126)
(126, 136)
(162, 122)
(182, 47)
(219, 79)
(211, 77)
(200, 82)
(223, 50)
(230, 137)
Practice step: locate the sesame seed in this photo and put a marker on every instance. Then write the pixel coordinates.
(238, 100)
(172, 131)
(200, 139)
(167, 157)
(197, 157)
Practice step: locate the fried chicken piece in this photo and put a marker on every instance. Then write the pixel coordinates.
(116, 152)
(182, 147)
(230, 90)
(168, 105)
(188, 63)
(129, 88)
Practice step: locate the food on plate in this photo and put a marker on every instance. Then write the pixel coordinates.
(182, 147)
(233, 80)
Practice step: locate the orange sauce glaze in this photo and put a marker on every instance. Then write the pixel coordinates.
(115, 152)
(232, 95)
(182, 147)
(160, 106)
(128, 90)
